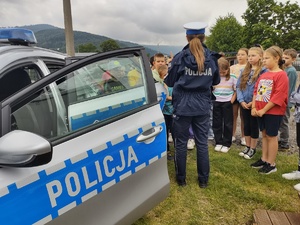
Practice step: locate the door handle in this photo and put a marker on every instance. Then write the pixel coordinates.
(148, 136)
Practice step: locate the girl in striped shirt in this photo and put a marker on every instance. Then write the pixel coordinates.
(225, 94)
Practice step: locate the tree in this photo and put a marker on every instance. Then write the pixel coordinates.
(109, 45)
(226, 35)
(269, 23)
(89, 47)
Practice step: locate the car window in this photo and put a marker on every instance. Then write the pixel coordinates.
(16, 79)
(53, 67)
(91, 94)
(33, 73)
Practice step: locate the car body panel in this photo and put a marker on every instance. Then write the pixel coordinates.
(16, 55)
(100, 172)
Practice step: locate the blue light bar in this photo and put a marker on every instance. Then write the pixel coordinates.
(17, 36)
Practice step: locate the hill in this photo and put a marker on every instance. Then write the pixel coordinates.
(52, 37)
(166, 49)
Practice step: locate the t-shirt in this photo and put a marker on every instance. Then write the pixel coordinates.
(225, 89)
(272, 86)
(292, 75)
(168, 107)
(156, 76)
(237, 69)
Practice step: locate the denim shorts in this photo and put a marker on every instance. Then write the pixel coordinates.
(270, 123)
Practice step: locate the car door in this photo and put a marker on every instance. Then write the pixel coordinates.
(84, 145)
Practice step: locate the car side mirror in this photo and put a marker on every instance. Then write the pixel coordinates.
(20, 148)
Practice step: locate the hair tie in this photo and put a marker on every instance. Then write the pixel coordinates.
(281, 62)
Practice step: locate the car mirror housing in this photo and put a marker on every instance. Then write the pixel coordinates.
(20, 148)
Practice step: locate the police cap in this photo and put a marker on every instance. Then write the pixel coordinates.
(195, 27)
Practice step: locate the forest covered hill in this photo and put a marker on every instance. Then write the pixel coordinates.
(52, 37)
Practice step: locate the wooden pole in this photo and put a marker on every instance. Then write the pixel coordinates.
(69, 35)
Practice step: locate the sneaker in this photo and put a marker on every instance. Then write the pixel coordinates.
(243, 141)
(267, 169)
(250, 153)
(283, 148)
(190, 144)
(170, 139)
(233, 138)
(224, 149)
(297, 187)
(295, 175)
(242, 153)
(258, 164)
(181, 183)
(210, 138)
(202, 185)
(218, 148)
(169, 156)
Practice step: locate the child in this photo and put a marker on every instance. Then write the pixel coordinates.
(295, 99)
(168, 108)
(289, 56)
(245, 86)
(269, 105)
(158, 60)
(222, 107)
(242, 57)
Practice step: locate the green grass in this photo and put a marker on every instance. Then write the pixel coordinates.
(235, 190)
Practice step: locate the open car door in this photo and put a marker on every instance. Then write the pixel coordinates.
(84, 145)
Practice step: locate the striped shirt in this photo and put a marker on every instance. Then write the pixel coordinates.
(225, 89)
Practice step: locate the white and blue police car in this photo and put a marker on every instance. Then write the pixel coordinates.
(83, 143)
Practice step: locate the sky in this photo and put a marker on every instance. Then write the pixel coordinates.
(151, 22)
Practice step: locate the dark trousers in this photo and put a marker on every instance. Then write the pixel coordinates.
(250, 124)
(223, 123)
(169, 122)
(298, 142)
(200, 126)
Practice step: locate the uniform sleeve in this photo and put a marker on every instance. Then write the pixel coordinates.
(216, 75)
(175, 71)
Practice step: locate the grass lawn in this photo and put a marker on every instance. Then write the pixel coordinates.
(235, 190)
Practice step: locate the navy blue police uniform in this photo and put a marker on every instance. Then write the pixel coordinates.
(191, 100)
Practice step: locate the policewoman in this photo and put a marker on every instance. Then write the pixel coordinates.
(192, 74)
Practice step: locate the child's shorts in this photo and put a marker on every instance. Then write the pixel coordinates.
(270, 123)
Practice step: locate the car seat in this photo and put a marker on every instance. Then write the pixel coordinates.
(12, 82)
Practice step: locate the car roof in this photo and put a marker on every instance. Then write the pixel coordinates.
(10, 54)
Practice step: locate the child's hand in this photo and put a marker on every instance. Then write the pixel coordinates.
(260, 113)
(249, 105)
(244, 105)
(254, 112)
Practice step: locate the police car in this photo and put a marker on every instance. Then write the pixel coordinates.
(85, 144)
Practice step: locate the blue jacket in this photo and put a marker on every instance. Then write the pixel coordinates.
(247, 94)
(192, 88)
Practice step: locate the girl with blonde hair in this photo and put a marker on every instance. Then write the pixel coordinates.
(245, 87)
(269, 105)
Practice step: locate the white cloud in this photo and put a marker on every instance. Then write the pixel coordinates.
(139, 21)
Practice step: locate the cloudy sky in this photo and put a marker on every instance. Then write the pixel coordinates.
(156, 22)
